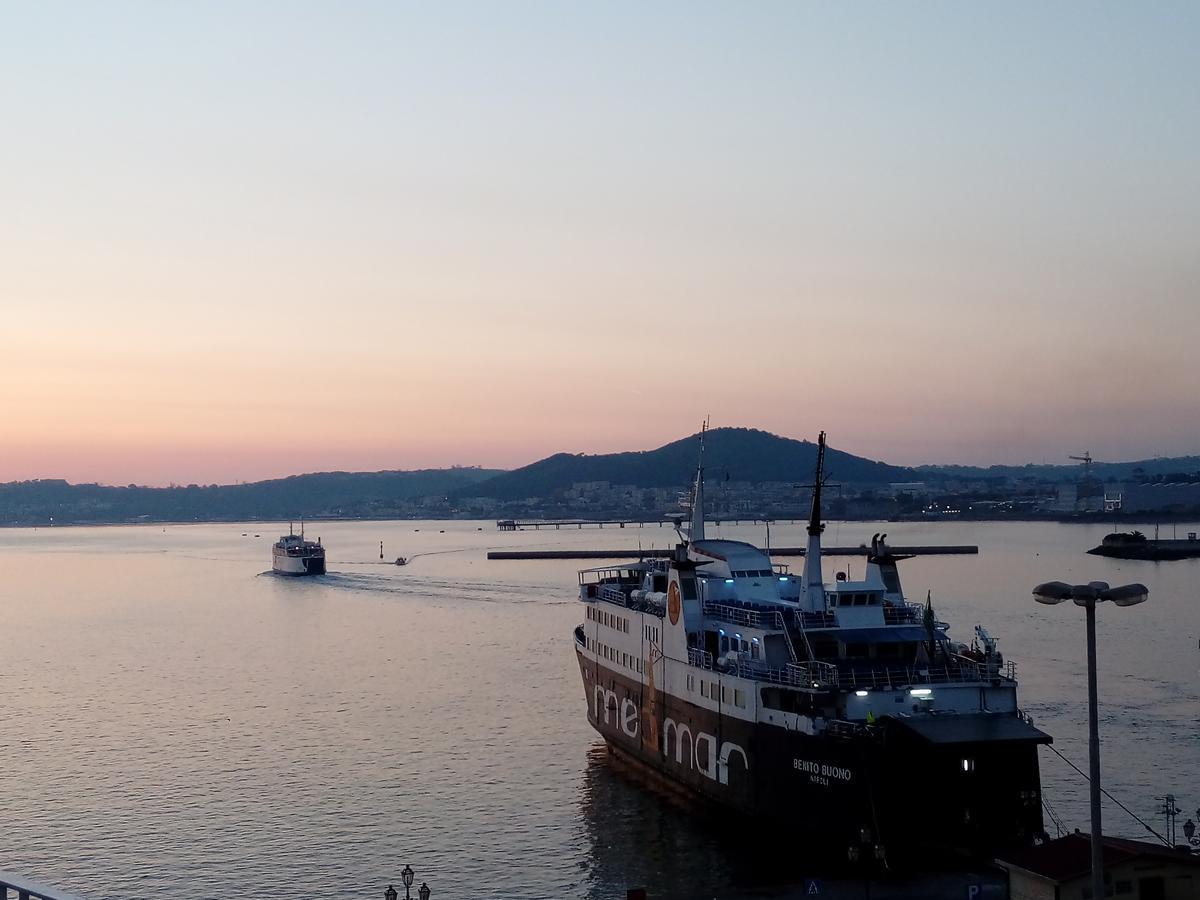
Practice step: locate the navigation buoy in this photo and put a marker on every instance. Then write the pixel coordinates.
(381, 549)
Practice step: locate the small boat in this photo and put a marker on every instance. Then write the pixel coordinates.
(293, 555)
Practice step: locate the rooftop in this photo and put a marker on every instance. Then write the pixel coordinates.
(1068, 858)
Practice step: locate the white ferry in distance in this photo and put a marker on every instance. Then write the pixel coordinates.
(293, 555)
(839, 713)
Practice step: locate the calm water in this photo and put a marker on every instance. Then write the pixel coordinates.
(178, 724)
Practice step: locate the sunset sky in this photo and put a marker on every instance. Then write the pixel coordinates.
(243, 240)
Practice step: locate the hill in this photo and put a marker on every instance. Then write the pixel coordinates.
(742, 454)
(351, 494)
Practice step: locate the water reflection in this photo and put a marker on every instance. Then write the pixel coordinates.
(643, 836)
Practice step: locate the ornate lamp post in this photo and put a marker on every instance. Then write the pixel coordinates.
(1087, 596)
(407, 874)
(424, 891)
(390, 893)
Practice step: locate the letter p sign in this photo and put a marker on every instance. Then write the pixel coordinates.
(974, 891)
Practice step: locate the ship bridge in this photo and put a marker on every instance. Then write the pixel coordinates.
(740, 572)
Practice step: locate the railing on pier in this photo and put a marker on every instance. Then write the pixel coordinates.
(30, 890)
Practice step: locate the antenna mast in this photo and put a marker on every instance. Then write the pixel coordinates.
(814, 582)
(696, 531)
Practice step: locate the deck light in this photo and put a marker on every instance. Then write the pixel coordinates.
(729, 581)
(860, 693)
(921, 692)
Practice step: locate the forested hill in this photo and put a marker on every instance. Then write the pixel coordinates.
(352, 494)
(742, 454)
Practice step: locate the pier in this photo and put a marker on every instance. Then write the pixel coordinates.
(920, 550)
(558, 524)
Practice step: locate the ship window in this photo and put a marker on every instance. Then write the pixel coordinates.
(688, 588)
(754, 649)
(691, 682)
(724, 643)
(860, 599)
(968, 764)
(856, 650)
(739, 698)
(724, 694)
(703, 688)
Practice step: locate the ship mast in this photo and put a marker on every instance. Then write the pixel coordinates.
(814, 584)
(696, 531)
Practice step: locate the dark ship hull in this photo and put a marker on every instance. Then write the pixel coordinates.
(960, 785)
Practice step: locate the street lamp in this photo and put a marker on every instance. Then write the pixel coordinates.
(1087, 596)
(424, 892)
(390, 893)
(407, 874)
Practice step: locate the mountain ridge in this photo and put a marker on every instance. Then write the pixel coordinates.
(739, 454)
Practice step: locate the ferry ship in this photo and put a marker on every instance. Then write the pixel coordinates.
(838, 711)
(293, 555)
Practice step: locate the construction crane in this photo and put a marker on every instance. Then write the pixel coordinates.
(1086, 459)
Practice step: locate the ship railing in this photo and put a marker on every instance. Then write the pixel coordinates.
(803, 675)
(815, 619)
(613, 594)
(699, 658)
(840, 728)
(902, 614)
(619, 596)
(738, 616)
(580, 636)
(960, 671)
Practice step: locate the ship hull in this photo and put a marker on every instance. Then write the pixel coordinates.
(829, 790)
(298, 565)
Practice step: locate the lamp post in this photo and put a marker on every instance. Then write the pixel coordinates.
(407, 874)
(1087, 596)
(390, 893)
(424, 891)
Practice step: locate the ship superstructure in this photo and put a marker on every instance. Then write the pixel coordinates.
(838, 708)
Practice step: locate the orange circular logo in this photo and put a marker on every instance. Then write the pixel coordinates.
(673, 602)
